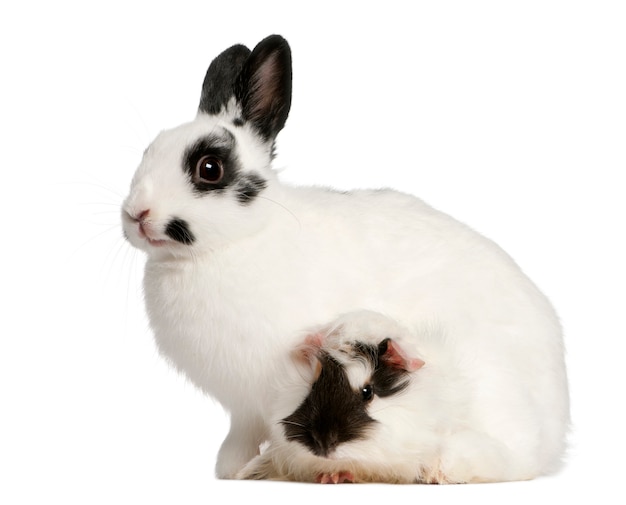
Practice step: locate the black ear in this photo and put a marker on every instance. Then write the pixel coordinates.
(220, 79)
(264, 86)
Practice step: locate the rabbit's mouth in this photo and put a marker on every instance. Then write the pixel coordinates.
(146, 233)
(145, 230)
(157, 243)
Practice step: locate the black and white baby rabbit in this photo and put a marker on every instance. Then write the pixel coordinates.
(365, 400)
(240, 264)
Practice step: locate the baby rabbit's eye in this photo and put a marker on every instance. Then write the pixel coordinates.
(209, 170)
(367, 392)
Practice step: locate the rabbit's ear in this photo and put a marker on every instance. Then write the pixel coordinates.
(391, 354)
(219, 82)
(264, 86)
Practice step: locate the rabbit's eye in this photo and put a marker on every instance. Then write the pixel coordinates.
(367, 392)
(209, 170)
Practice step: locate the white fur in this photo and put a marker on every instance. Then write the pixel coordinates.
(448, 426)
(227, 310)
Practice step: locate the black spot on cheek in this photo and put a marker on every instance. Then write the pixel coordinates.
(178, 230)
(249, 187)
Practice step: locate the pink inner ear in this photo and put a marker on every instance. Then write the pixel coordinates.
(265, 87)
(314, 340)
(306, 354)
(396, 357)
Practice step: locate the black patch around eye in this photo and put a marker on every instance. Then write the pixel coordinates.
(388, 379)
(217, 146)
(178, 230)
(246, 187)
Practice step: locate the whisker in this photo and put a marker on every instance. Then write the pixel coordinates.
(99, 185)
(286, 209)
(294, 437)
(92, 239)
(285, 421)
(110, 204)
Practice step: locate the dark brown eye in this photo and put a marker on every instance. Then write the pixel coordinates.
(209, 170)
(367, 392)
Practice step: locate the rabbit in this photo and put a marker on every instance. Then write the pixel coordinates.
(240, 264)
(366, 400)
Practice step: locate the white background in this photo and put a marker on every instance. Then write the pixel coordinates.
(511, 116)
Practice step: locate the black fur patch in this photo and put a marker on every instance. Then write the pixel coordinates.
(333, 413)
(222, 147)
(245, 186)
(388, 380)
(178, 229)
(219, 82)
(248, 187)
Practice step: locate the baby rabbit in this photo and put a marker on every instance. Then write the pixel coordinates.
(240, 264)
(365, 400)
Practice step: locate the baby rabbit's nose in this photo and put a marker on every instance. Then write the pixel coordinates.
(141, 216)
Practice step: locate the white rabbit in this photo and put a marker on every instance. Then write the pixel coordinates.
(365, 400)
(240, 264)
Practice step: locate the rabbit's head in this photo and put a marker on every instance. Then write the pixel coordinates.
(208, 183)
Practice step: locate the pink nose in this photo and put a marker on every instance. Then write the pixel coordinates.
(140, 218)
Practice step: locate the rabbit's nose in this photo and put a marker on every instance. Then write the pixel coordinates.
(142, 219)
(137, 217)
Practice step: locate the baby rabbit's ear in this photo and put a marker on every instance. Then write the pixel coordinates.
(391, 354)
(219, 82)
(264, 86)
(306, 355)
